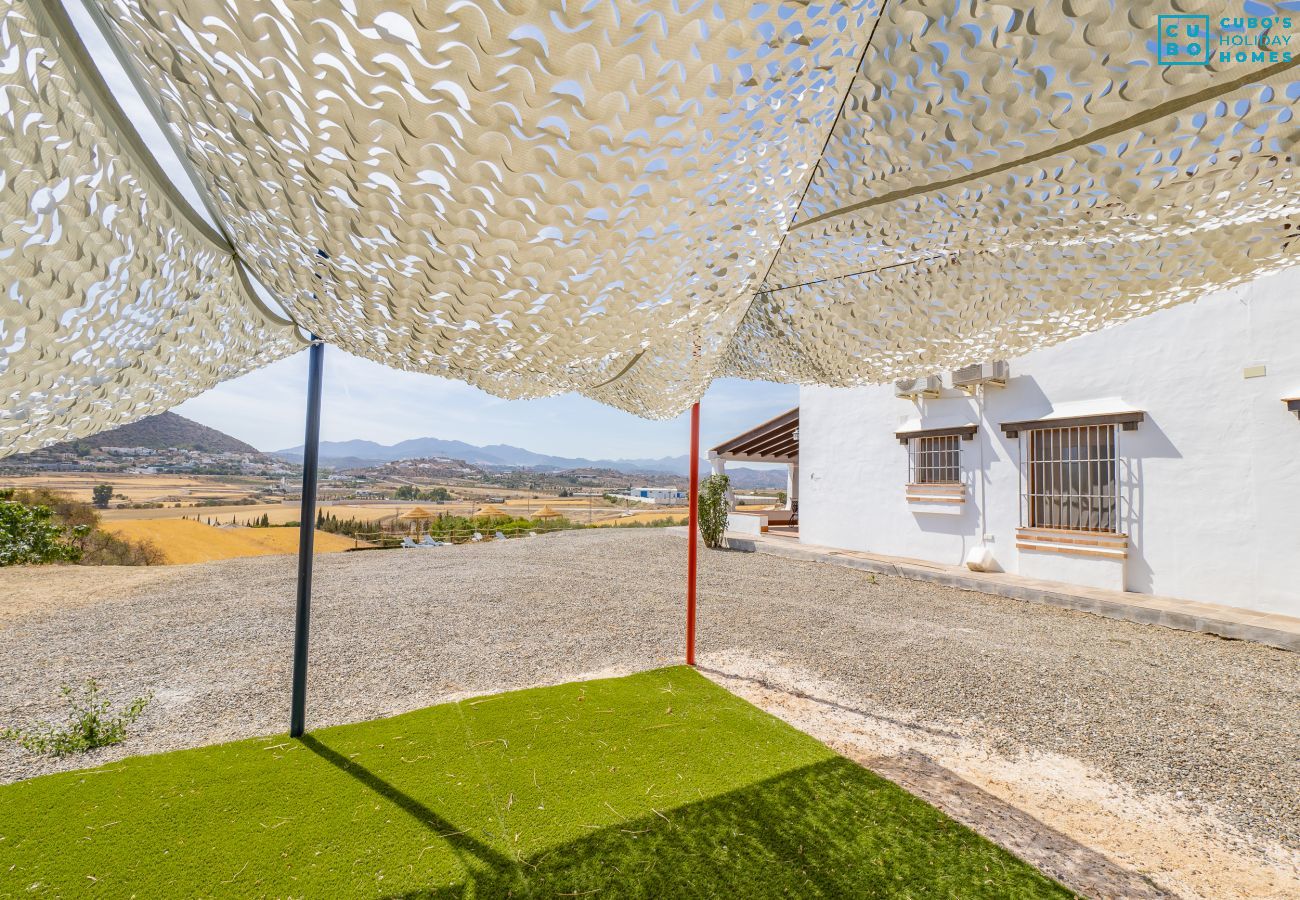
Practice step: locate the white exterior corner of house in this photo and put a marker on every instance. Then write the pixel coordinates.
(1206, 457)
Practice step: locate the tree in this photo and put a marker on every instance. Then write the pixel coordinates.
(101, 494)
(29, 534)
(713, 509)
(780, 498)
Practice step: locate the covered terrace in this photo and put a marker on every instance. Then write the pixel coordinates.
(774, 441)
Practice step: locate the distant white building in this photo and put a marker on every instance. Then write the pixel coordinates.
(655, 496)
(1160, 456)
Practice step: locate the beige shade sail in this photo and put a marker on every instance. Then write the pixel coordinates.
(531, 197)
(1008, 176)
(627, 199)
(116, 301)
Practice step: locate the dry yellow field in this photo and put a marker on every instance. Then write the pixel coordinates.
(554, 502)
(188, 541)
(379, 509)
(579, 509)
(668, 512)
(277, 513)
(136, 488)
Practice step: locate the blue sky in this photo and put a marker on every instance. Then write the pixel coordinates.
(365, 400)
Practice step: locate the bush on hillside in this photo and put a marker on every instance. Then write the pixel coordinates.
(101, 494)
(411, 492)
(102, 548)
(42, 526)
(30, 535)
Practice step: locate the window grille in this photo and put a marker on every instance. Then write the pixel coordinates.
(935, 460)
(1071, 478)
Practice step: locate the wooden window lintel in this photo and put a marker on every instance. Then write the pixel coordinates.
(1128, 420)
(965, 432)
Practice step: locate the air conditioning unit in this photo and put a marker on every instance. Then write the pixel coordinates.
(928, 386)
(988, 373)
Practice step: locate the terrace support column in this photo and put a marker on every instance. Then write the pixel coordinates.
(719, 466)
(692, 541)
(306, 536)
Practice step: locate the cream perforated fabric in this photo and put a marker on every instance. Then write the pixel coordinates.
(113, 305)
(1005, 178)
(628, 198)
(533, 197)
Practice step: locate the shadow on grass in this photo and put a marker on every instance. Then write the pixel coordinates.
(474, 855)
(831, 829)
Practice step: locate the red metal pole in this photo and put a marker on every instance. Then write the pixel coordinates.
(691, 544)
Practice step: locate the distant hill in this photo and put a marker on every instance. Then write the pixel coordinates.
(359, 454)
(426, 469)
(160, 432)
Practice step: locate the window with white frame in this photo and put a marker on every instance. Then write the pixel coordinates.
(935, 459)
(1071, 478)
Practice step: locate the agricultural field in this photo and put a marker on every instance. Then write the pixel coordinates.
(576, 509)
(650, 515)
(185, 489)
(187, 541)
(277, 513)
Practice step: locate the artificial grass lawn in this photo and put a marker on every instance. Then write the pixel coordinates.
(660, 784)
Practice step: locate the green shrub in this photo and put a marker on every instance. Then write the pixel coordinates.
(91, 723)
(101, 494)
(713, 509)
(103, 548)
(411, 492)
(42, 526)
(30, 535)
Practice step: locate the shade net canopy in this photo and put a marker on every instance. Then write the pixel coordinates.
(116, 302)
(627, 199)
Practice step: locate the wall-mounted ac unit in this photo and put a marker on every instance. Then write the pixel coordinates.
(928, 386)
(987, 373)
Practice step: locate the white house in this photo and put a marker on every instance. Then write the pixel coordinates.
(655, 496)
(1160, 456)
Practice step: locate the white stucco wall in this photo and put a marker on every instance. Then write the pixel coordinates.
(1213, 503)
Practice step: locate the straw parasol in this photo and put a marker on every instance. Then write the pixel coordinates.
(491, 512)
(416, 515)
(546, 513)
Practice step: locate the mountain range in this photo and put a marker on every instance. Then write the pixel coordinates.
(358, 454)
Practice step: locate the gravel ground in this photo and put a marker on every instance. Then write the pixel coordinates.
(1162, 711)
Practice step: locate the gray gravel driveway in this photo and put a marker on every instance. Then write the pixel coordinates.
(1160, 710)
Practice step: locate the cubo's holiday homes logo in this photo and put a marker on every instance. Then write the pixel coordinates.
(1196, 40)
(1184, 40)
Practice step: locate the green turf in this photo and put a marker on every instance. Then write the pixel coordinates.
(657, 785)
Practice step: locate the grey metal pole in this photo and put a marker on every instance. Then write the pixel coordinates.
(306, 537)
